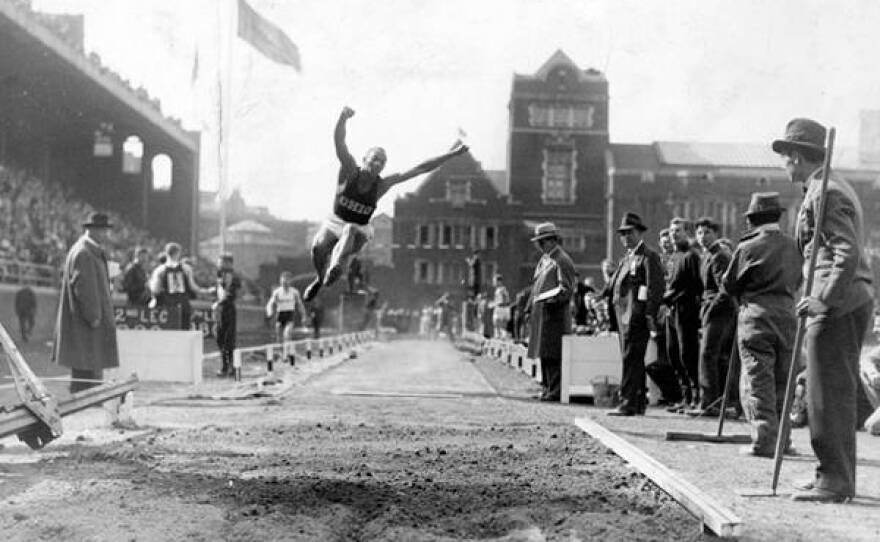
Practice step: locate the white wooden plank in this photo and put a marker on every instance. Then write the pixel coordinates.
(713, 515)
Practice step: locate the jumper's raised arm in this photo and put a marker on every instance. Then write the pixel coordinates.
(346, 160)
(424, 167)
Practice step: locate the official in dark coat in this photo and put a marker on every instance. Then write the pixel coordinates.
(634, 296)
(225, 314)
(717, 317)
(85, 331)
(838, 309)
(684, 289)
(550, 315)
(764, 276)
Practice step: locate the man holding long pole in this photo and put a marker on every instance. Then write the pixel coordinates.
(837, 308)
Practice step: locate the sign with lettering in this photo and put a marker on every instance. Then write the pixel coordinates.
(146, 318)
(127, 317)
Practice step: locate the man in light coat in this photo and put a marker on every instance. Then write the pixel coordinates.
(550, 318)
(85, 332)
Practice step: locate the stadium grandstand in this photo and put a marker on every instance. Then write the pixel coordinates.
(74, 137)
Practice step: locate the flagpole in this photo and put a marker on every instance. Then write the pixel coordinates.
(228, 22)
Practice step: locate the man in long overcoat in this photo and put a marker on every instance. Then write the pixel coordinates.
(838, 309)
(552, 287)
(634, 294)
(85, 332)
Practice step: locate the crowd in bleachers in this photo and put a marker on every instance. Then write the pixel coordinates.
(40, 220)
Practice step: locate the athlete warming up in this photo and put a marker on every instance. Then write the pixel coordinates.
(358, 190)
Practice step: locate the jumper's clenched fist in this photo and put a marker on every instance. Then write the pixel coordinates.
(347, 112)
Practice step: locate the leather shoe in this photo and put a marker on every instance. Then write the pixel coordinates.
(549, 398)
(757, 452)
(712, 412)
(621, 412)
(817, 494)
(677, 407)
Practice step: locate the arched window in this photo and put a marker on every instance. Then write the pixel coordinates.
(132, 154)
(161, 172)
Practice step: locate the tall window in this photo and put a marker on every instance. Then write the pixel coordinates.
(445, 235)
(132, 154)
(424, 235)
(458, 192)
(422, 272)
(559, 168)
(554, 115)
(162, 168)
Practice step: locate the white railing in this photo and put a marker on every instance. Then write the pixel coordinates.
(33, 274)
(292, 351)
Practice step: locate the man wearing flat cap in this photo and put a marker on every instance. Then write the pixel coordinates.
(764, 276)
(85, 331)
(552, 287)
(838, 309)
(634, 294)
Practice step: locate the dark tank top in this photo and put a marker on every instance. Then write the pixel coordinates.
(353, 206)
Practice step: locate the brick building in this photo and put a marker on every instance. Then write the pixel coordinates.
(562, 168)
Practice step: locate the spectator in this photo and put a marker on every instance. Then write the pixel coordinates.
(552, 288)
(135, 278)
(26, 311)
(85, 335)
(316, 315)
(500, 308)
(228, 286)
(172, 285)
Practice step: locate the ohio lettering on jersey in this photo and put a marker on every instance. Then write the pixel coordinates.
(354, 206)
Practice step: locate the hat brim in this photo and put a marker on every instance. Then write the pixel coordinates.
(545, 236)
(781, 145)
(779, 210)
(632, 227)
(94, 225)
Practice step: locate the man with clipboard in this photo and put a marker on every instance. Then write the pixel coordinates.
(552, 288)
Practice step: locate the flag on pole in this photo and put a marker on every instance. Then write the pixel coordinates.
(266, 37)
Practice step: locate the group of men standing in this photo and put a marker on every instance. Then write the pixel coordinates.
(751, 298)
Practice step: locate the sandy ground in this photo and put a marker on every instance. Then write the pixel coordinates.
(409, 441)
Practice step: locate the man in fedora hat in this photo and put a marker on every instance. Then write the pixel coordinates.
(763, 277)
(838, 309)
(552, 287)
(684, 289)
(85, 330)
(634, 293)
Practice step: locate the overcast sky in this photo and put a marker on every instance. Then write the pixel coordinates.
(416, 70)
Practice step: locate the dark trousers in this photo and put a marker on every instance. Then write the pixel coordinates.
(833, 346)
(226, 330)
(683, 346)
(551, 374)
(26, 325)
(661, 371)
(633, 344)
(715, 348)
(85, 374)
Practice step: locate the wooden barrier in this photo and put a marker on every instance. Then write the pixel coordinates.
(710, 512)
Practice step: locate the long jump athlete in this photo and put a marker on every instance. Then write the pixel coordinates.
(358, 190)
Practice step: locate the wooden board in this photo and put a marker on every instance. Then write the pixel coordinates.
(710, 512)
